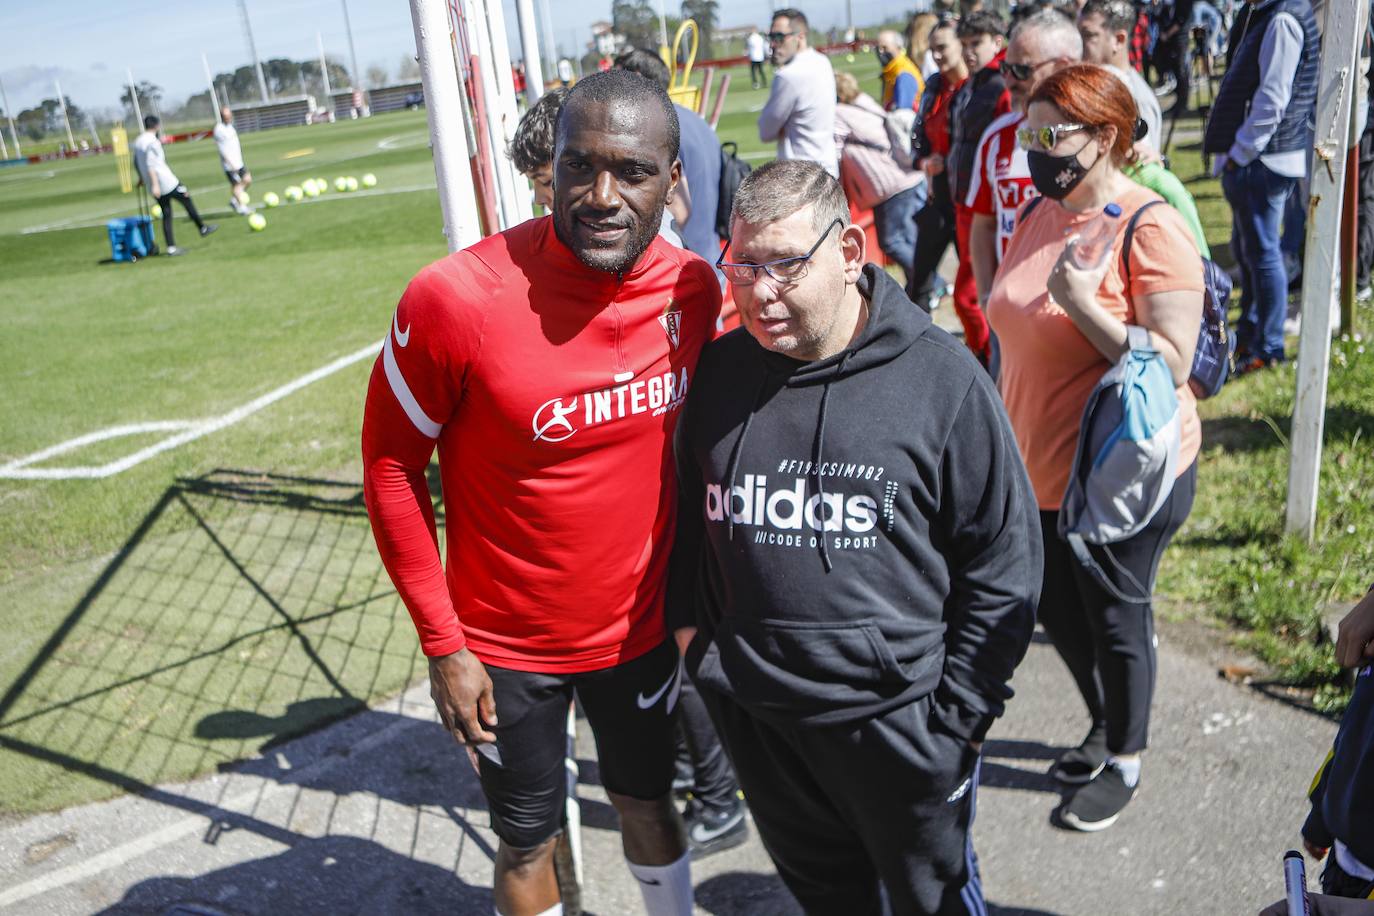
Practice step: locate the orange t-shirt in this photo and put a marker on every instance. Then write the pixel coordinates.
(1048, 367)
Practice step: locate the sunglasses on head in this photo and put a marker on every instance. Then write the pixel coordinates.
(1046, 137)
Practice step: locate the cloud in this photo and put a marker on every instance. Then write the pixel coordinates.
(21, 78)
(99, 67)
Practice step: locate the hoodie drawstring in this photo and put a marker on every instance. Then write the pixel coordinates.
(735, 456)
(816, 462)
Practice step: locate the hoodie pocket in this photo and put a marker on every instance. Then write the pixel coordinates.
(803, 669)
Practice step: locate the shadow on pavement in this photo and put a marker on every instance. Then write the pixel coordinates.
(746, 894)
(335, 874)
(737, 893)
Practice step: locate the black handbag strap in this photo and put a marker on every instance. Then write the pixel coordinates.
(1126, 242)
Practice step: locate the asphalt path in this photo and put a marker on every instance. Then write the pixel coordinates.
(381, 814)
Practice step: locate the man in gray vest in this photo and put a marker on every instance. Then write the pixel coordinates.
(1260, 130)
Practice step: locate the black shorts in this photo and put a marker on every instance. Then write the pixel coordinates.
(237, 176)
(631, 711)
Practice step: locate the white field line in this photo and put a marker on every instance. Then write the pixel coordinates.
(19, 177)
(400, 141)
(186, 431)
(241, 803)
(208, 189)
(332, 195)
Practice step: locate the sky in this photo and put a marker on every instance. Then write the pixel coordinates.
(92, 43)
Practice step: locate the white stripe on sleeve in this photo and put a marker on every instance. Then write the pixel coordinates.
(423, 423)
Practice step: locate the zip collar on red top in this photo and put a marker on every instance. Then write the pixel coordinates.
(560, 257)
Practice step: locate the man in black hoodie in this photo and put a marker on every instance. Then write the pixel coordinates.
(1342, 818)
(860, 550)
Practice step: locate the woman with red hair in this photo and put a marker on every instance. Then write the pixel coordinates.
(1061, 327)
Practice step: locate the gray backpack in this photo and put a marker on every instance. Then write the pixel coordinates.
(1127, 459)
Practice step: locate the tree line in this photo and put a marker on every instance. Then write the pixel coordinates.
(283, 77)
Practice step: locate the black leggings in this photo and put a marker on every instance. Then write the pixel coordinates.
(934, 232)
(165, 202)
(1109, 644)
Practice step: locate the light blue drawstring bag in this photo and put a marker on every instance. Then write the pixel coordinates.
(1126, 461)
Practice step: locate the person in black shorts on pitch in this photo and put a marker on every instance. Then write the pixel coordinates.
(231, 160)
(162, 182)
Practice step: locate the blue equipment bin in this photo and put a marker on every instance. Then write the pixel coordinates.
(131, 238)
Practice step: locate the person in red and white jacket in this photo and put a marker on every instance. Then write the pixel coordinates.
(1041, 44)
(549, 364)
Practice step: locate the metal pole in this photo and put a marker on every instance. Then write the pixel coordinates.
(4, 150)
(529, 47)
(14, 134)
(497, 137)
(1334, 100)
(324, 67)
(253, 49)
(90, 122)
(133, 94)
(444, 111)
(214, 97)
(506, 107)
(550, 46)
(662, 27)
(358, 84)
(1349, 243)
(62, 103)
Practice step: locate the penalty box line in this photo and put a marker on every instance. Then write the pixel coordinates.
(184, 431)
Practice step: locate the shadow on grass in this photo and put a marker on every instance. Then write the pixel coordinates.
(1242, 434)
(247, 609)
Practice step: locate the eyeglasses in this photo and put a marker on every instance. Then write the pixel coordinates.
(1020, 72)
(783, 270)
(1046, 137)
(778, 37)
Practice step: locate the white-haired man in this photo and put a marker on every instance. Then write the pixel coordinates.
(1040, 44)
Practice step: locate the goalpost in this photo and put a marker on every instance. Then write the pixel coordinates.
(470, 104)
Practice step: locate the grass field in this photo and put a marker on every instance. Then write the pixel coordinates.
(224, 594)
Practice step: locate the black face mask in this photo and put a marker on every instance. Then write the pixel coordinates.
(884, 58)
(1055, 177)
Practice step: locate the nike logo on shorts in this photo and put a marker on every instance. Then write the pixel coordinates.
(645, 702)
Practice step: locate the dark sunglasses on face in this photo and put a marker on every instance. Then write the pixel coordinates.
(1020, 72)
(779, 37)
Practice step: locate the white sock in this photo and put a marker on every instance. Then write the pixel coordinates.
(667, 889)
(555, 910)
(1129, 767)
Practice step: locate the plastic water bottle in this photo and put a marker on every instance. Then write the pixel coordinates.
(1095, 241)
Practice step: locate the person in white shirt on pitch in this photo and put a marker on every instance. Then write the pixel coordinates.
(162, 182)
(231, 160)
(757, 47)
(800, 114)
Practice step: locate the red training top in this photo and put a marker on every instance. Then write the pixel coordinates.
(937, 119)
(1001, 177)
(553, 390)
